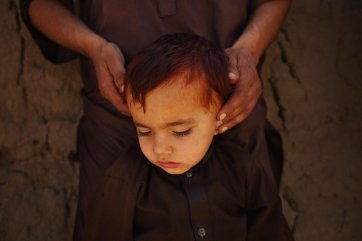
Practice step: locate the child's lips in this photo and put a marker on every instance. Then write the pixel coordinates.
(168, 164)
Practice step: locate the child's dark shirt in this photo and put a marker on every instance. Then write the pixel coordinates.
(227, 196)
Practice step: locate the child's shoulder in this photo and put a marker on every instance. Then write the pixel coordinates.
(238, 159)
(232, 153)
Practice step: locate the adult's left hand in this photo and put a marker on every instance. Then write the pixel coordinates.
(247, 89)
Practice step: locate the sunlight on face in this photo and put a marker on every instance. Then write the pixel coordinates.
(176, 130)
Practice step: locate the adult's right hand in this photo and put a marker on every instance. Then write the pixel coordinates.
(108, 62)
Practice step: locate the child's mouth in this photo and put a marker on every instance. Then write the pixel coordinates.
(167, 164)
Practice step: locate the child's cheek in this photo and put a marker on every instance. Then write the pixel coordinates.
(146, 147)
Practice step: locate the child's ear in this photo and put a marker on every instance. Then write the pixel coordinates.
(216, 101)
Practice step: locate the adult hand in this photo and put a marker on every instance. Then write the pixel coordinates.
(108, 62)
(247, 89)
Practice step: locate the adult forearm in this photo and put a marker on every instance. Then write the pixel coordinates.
(60, 25)
(262, 28)
(265, 20)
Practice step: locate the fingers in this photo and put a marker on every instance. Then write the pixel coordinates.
(115, 66)
(233, 69)
(118, 74)
(107, 88)
(239, 114)
(246, 92)
(110, 72)
(113, 96)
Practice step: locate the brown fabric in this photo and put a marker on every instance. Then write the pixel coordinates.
(102, 138)
(227, 196)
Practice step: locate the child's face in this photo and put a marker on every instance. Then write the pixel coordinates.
(176, 130)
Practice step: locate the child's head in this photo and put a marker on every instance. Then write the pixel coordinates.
(174, 89)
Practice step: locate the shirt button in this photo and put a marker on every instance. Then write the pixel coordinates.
(189, 176)
(201, 232)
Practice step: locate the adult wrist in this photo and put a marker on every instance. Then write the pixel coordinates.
(92, 45)
(249, 52)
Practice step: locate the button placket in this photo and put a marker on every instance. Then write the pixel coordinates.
(199, 206)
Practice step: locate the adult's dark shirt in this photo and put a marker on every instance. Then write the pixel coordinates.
(133, 24)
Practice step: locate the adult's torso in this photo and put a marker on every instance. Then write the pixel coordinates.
(134, 24)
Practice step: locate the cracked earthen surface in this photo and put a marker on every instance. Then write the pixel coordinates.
(312, 83)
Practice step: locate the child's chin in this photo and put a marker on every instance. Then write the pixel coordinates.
(175, 171)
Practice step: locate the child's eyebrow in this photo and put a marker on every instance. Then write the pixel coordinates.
(168, 124)
(140, 125)
(180, 122)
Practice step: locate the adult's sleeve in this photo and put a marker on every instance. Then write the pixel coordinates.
(50, 50)
(109, 214)
(265, 219)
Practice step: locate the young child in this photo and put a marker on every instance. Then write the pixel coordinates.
(188, 184)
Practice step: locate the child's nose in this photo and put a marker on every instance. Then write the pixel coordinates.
(162, 146)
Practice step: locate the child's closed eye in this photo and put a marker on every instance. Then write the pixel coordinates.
(182, 133)
(143, 133)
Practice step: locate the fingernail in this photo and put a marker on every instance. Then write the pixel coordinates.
(218, 123)
(122, 88)
(232, 75)
(215, 133)
(222, 116)
(223, 129)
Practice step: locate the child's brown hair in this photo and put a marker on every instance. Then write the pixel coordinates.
(179, 55)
